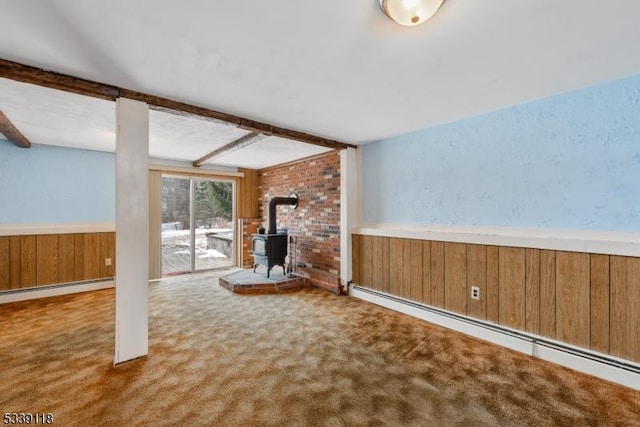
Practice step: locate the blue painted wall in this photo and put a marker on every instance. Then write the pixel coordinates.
(45, 184)
(570, 161)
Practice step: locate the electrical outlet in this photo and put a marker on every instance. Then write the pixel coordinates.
(107, 262)
(475, 292)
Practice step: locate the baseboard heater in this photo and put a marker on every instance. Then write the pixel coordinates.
(24, 294)
(597, 364)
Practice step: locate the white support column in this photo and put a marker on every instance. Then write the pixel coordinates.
(132, 230)
(349, 208)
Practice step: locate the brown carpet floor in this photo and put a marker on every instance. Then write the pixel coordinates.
(299, 359)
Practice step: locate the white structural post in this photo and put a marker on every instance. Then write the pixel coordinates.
(349, 208)
(132, 230)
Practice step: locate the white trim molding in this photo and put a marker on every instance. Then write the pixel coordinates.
(597, 242)
(195, 171)
(599, 365)
(56, 228)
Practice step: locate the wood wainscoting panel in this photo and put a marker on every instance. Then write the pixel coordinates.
(548, 293)
(437, 274)
(107, 251)
(15, 262)
(386, 287)
(588, 300)
(455, 277)
(247, 194)
(78, 257)
(532, 291)
(47, 259)
(426, 271)
(625, 304)
(366, 248)
(511, 265)
(493, 284)
(416, 270)
(573, 298)
(376, 268)
(600, 303)
(477, 276)
(405, 285)
(66, 258)
(395, 266)
(91, 256)
(33, 260)
(5, 265)
(356, 259)
(28, 261)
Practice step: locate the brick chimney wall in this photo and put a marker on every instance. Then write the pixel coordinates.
(316, 221)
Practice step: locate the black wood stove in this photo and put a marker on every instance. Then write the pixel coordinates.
(271, 249)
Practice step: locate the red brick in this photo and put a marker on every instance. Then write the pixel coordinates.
(316, 221)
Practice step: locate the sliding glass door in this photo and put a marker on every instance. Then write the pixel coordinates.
(213, 218)
(197, 224)
(176, 225)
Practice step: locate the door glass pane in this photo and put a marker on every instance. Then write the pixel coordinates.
(213, 217)
(176, 225)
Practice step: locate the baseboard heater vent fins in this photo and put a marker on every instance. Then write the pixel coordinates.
(596, 364)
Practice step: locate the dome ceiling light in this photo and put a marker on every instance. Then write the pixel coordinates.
(410, 12)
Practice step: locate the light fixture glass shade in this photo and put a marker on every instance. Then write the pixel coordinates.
(410, 12)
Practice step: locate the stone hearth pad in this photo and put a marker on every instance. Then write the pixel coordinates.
(248, 282)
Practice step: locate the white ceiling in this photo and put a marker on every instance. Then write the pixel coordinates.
(333, 68)
(52, 117)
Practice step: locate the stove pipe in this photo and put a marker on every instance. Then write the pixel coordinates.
(291, 200)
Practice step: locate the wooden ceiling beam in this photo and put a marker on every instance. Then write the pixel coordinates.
(12, 133)
(239, 143)
(51, 79)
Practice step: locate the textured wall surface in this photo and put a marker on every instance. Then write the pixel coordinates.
(570, 161)
(45, 184)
